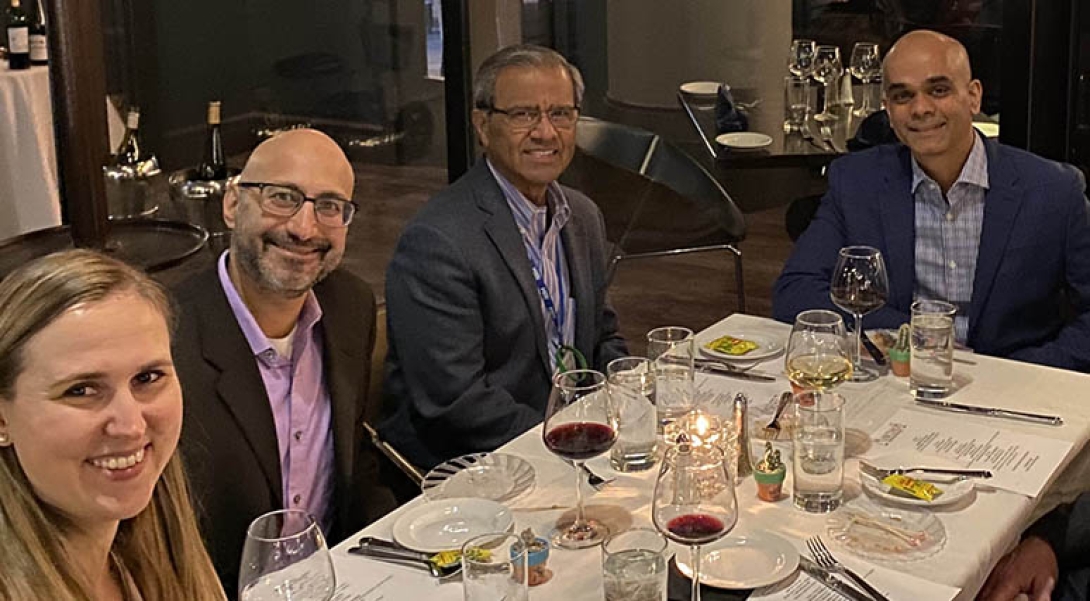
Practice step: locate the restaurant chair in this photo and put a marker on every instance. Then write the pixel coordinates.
(676, 207)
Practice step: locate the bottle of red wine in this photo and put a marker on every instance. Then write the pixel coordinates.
(214, 166)
(39, 49)
(18, 37)
(128, 152)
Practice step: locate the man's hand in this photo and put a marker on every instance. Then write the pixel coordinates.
(1030, 570)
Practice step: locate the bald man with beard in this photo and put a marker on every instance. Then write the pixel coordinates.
(999, 232)
(273, 350)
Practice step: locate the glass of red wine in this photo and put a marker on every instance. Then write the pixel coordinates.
(859, 286)
(694, 502)
(580, 423)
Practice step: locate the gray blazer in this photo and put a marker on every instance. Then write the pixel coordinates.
(468, 366)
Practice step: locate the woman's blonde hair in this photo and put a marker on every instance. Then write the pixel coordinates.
(160, 547)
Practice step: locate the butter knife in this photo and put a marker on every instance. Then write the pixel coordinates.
(1039, 418)
(832, 582)
(725, 369)
(880, 472)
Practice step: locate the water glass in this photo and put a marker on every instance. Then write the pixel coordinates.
(631, 383)
(796, 96)
(495, 566)
(672, 350)
(634, 566)
(285, 557)
(818, 453)
(932, 348)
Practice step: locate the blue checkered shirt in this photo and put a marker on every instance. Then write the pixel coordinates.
(948, 234)
(545, 249)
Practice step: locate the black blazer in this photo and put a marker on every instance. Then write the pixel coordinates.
(228, 433)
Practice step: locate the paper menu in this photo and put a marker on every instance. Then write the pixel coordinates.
(895, 585)
(1021, 463)
(364, 579)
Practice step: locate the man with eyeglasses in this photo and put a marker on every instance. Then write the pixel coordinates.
(499, 275)
(272, 350)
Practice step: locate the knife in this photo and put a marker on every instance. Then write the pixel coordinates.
(724, 369)
(1040, 418)
(875, 352)
(835, 584)
(880, 473)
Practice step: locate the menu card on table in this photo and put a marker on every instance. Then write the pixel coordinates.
(363, 579)
(1019, 462)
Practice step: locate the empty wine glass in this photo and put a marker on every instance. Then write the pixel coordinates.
(817, 356)
(694, 502)
(285, 558)
(859, 286)
(866, 65)
(580, 423)
(827, 70)
(801, 61)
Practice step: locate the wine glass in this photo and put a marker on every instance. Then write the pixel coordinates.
(285, 558)
(827, 70)
(694, 502)
(801, 61)
(859, 286)
(866, 65)
(580, 423)
(817, 356)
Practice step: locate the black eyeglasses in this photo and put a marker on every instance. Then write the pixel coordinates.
(527, 117)
(285, 201)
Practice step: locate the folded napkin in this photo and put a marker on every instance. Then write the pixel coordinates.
(727, 116)
(678, 588)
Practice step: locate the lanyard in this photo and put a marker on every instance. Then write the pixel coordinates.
(547, 299)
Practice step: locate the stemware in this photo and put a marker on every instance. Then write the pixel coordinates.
(817, 356)
(285, 558)
(694, 502)
(866, 65)
(859, 286)
(801, 61)
(828, 69)
(580, 423)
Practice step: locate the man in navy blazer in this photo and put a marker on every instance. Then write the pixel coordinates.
(1000, 232)
(496, 273)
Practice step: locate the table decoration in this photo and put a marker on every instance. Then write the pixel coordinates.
(769, 474)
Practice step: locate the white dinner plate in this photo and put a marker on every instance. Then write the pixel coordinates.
(768, 346)
(744, 562)
(953, 489)
(494, 476)
(448, 523)
(744, 140)
(701, 88)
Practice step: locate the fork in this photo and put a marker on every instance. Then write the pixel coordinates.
(826, 560)
(596, 482)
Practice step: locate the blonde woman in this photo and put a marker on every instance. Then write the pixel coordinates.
(93, 498)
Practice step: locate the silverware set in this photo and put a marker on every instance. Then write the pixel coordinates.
(826, 560)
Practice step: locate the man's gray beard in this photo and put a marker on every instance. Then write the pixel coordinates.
(250, 262)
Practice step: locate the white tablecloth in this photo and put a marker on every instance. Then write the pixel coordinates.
(29, 197)
(977, 535)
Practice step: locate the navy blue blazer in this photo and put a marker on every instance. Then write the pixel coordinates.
(1031, 289)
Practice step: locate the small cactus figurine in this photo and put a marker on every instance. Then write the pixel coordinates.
(769, 474)
(900, 353)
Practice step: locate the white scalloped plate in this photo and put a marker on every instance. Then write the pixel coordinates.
(886, 533)
(493, 476)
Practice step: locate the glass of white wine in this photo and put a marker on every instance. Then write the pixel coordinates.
(817, 355)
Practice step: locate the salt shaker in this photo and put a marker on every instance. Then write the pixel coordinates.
(741, 441)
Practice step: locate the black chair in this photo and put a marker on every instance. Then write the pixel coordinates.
(679, 207)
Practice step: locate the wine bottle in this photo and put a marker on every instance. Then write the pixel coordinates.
(128, 151)
(214, 166)
(18, 37)
(39, 49)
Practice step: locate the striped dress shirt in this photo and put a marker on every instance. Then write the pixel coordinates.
(948, 234)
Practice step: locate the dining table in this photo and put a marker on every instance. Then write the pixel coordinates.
(978, 529)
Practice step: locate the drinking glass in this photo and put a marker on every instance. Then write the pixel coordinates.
(801, 61)
(817, 356)
(671, 348)
(694, 502)
(495, 566)
(932, 360)
(866, 65)
(818, 451)
(827, 70)
(634, 566)
(285, 557)
(580, 423)
(631, 382)
(796, 97)
(859, 286)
